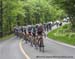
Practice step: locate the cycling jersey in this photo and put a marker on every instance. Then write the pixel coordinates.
(40, 30)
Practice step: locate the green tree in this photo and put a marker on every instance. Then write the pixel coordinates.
(69, 7)
(10, 10)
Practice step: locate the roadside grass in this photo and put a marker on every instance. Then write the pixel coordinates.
(6, 37)
(63, 34)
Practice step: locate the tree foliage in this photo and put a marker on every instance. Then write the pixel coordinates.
(69, 7)
(24, 12)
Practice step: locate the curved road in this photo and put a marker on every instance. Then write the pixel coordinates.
(53, 50)
(9, 49)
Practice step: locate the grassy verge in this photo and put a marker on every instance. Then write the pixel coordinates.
(63, 34)
(7, 37)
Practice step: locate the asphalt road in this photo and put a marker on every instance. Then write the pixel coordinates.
(9, 49)
(53, 50)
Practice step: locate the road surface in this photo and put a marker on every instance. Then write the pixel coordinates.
(9, 49)
(53, 50)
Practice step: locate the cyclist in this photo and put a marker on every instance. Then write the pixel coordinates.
(25, 35)
(30, 35)
(40, 37)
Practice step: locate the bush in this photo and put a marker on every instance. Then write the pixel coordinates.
(63, 34)
(71, 35)
(65, 27)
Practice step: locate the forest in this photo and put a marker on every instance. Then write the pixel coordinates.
(24, 12)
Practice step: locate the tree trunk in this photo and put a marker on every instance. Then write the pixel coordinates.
(1, 19)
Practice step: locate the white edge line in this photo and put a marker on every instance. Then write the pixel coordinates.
(61, 43)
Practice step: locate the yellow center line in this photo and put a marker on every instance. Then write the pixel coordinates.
(22, 50)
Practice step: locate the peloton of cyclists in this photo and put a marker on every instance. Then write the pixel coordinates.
(34, 35)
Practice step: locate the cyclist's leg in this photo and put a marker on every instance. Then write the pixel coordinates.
(41, 43)
(31, 40)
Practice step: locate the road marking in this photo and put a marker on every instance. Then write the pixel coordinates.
(22, 50)
(58, 42)
(62, 43)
